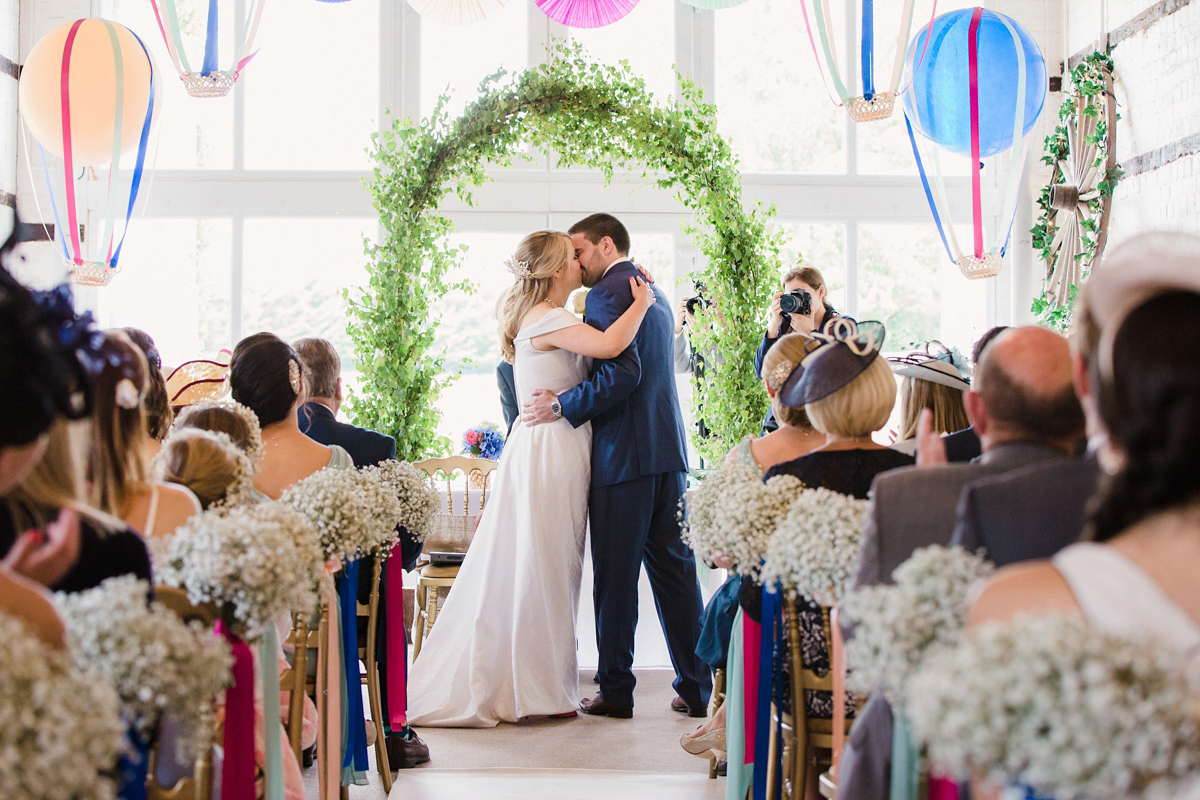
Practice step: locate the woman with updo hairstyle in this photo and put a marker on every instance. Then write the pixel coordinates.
(228, 417)
(156, 404)
(267, 377)
(117, 468)
(207, 463)
(1137, 574)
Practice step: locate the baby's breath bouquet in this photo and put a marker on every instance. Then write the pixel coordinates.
(255, 562)
(734, 512)
(154, 660)
(1060, 707)
(61, 734)
(353, 512)
(815, 546)
(895, 626)
(418, 500)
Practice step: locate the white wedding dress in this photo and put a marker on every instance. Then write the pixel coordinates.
(503, 646)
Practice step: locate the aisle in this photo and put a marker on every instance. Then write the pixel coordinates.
(581, 758)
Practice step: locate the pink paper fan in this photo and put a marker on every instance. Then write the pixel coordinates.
(586, 13)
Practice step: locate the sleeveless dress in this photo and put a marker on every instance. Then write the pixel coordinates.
(504, 644)
(1118, 596)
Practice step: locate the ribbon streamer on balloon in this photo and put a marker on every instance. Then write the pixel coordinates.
(871, 104)
(210, 81)
(982, 262)
(97, 267)
(237, 774)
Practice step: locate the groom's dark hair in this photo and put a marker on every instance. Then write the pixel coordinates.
(597, 226)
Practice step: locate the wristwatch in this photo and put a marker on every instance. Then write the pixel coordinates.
(556, 408)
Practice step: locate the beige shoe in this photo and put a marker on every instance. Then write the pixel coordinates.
(370, 733)
(705, 745)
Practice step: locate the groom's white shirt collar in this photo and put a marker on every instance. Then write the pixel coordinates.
(613, 264)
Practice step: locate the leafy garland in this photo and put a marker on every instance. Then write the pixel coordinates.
(590, 115)
(1089, 80)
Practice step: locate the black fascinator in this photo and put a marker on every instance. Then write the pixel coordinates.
(836, 356)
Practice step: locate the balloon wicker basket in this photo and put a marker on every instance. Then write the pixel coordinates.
(977, 268)
(878, 107)
(91, 273)
(218, 84)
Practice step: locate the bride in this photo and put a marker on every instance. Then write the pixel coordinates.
(503, 647)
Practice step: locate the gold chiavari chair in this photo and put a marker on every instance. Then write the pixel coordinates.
(198, 786)
(367, 652)
(827, 782)
(454, 533)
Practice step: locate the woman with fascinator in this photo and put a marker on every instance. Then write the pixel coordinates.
(504, 644)
(936, 378)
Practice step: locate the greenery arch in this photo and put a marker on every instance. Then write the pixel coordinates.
(589, 115)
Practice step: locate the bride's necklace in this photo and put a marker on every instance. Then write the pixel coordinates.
(552, 303)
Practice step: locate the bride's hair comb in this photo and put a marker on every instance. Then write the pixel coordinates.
(519, 269)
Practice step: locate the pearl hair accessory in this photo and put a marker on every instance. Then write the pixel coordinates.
(519, 269)
(294, 376)
(128, 397)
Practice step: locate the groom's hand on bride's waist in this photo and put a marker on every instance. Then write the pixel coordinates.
(540, 409)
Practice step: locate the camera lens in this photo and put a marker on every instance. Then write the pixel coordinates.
(796, 302)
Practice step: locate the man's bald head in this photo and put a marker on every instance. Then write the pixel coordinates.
(1024, 390)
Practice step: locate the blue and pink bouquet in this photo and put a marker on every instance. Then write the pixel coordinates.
(484, 440)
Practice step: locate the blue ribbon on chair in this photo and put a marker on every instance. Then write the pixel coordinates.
(354, 760)
(770, 685)
(134, 767)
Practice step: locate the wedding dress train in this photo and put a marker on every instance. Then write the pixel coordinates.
(504, 644)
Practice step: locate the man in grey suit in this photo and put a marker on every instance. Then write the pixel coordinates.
(1024, 409)
(1026, 413)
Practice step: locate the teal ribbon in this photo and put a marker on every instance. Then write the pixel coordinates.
(906, 759)
(268, 659)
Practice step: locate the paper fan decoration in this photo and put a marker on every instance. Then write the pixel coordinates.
(586, 13)
(201, 379)
(457, 12)
(714, 5)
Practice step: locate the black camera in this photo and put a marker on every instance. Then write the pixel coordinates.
(796, 301)
(699, 300)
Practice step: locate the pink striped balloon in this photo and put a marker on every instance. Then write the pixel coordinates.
(586, 13)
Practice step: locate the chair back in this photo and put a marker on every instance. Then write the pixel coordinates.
(456, 527)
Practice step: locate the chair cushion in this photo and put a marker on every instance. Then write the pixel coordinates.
(430, 571)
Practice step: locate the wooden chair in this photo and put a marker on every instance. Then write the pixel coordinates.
(367, 652)
(454, 533)
(715, 702)
(296, 679)
(199, 785)
(799, 732)
(827, 782)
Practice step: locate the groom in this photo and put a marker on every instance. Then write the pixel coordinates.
(639, 466)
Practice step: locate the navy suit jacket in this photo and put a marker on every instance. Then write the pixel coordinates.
(507, 382)
(631, 400)
(366, 447)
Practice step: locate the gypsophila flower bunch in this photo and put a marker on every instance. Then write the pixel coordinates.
(484, 440)
(255, 562)
(418, 500)
(733, 513)
(896, 625)
(62, 732)
(814, 548)
(1056, 705)
(154, 660)
(353, 513)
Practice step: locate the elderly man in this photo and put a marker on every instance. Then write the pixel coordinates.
(318, 420)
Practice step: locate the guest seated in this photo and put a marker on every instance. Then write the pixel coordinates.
(964, 445)
(1137, 573)
(229, 417)
(934, 379)
(156, 404)
(207, 463)
(117, 466)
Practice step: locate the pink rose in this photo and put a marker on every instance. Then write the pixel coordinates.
(472, 438)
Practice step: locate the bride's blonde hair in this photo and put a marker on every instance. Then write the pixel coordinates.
(540, 256)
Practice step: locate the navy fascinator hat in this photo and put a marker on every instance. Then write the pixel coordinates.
(836, 356)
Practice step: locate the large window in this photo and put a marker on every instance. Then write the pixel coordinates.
(257, 215)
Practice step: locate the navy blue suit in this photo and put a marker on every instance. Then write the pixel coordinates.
(639, 469)
(507, 382)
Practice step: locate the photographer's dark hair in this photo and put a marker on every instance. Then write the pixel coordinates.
(260, 377)
(157, 405)
(597, 226)
(1150, 404)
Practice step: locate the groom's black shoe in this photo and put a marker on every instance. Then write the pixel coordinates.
(599, 707)
(677, 704)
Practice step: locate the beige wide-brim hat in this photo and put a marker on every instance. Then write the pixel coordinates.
(1141, 267)
(935, 371)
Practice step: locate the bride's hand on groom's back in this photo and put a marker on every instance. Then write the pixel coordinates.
(643, 293)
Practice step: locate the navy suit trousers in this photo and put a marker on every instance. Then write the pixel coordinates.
(636, 522)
